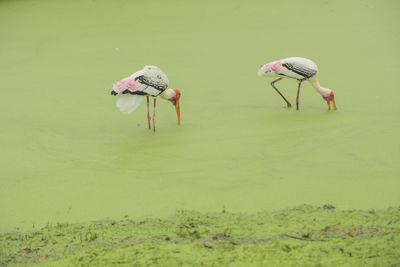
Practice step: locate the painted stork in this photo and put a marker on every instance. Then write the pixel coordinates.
(150, 81)
(301, 69)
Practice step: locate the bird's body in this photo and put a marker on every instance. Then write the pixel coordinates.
(150, 81)
(295, 67)
(301, 69)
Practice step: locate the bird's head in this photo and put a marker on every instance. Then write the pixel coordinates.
(174, 96)
(330, 98)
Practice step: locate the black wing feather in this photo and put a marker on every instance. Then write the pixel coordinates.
(142, 79)
(301, 70)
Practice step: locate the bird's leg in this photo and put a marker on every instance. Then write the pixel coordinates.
(154, 115)
(273, 85)
(297, 98)
(148, 112)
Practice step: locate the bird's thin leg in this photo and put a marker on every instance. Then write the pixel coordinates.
(273, 85)
(297, 98)
(154, 115)
(148, 112)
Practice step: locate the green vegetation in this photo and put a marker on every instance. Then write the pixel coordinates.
(311, 235)
(68, 155)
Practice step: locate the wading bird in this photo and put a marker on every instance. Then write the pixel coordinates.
(301, 69)
(150, 81)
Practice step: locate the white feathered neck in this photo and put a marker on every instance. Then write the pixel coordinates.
(325, 92)
(168, 94)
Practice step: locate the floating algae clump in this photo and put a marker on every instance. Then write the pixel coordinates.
(304, 235)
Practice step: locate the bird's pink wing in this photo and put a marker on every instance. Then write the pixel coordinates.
(277, 66)
(126, 84)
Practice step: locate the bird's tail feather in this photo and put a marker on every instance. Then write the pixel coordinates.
(128, 103)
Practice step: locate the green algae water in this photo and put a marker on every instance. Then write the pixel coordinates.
(68, 155)
(305, 235)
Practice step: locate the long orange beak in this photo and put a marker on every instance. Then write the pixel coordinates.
(333, 103)
(178, 112)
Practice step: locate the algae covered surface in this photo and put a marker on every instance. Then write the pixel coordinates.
(68, 154)
(69, 157)
(305, 235)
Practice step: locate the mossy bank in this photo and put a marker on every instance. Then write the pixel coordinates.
(305, 235)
